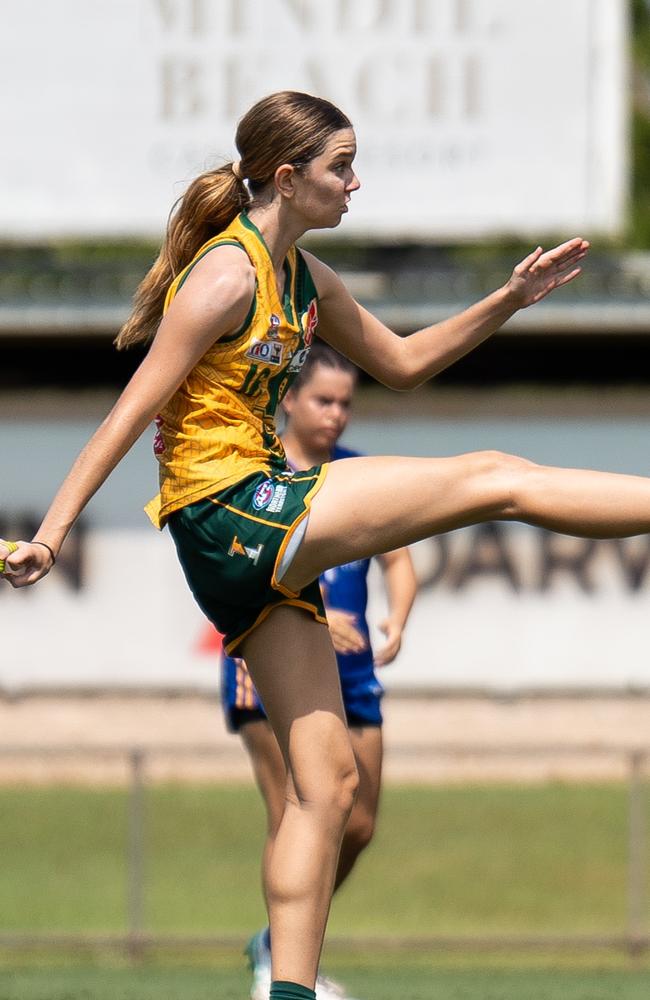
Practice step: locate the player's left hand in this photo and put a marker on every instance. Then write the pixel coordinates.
(346, 636)
(543, 270)
(393, 632)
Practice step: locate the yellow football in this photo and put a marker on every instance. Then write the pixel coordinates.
(12, 548)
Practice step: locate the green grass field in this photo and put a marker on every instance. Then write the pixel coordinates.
(405, 980)
(446, 860)
(544, 858)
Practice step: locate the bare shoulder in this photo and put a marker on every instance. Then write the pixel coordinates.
(219, 288)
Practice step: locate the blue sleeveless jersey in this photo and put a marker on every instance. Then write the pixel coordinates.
(346, 589)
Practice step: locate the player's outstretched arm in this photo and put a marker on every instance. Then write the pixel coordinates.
(406, 362)
(212, 303)
(401, 587)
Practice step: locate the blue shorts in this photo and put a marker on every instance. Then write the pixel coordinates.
(362, 694)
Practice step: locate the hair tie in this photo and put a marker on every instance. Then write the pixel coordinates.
(236, 169)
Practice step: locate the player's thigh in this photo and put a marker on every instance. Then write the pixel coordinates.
(268, 767)
(371, 505)
(367, 746)
(293, 665)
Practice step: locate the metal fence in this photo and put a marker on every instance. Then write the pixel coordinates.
(136, 939)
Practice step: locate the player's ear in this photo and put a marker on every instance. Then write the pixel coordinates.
(284, 180)
(288, 402)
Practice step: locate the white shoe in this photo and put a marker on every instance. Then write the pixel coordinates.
(259, 958)
(329, 989)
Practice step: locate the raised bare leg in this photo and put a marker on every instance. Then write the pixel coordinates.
(372, 505)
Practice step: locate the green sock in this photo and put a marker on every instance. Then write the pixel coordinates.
(290, 991)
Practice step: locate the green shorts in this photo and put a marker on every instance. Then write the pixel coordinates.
(231, 545)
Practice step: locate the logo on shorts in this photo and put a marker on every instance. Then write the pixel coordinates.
(268, 351)
(277, 503)
(237, 549)
(270, 497)
(263, 495)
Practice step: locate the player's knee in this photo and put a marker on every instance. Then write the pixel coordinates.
(359, 831)
(337, 788)
(501, 463)
(331, 790)
(503, 478)
(344, 788)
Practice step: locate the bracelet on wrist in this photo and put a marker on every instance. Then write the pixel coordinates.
(46, 546)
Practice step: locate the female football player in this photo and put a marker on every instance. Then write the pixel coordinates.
(317, 409)
(230, 307)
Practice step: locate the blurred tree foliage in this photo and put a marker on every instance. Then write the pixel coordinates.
(639, 216)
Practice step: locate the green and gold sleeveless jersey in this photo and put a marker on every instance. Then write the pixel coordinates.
(219, 426)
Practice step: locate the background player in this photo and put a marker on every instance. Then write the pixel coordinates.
(317, 409)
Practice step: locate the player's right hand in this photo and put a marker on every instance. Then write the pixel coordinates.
(542, 271)
(26, 565)
(346, 637)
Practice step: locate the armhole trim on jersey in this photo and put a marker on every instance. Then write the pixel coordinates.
(190, 267)
(288, 301)
(253, 306)
(305, 285)
(247, 322)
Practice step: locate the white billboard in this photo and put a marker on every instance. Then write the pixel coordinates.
(474, 117)
(501, 607)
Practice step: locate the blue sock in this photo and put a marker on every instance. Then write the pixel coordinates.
(266, 938)
(290, 991)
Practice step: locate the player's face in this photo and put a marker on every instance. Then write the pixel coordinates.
(324, 186)
(318, 412)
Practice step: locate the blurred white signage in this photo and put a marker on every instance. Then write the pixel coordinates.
(474, 117)
(500, 609)
(503, 608)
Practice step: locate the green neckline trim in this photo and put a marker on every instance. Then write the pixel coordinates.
(286, 301)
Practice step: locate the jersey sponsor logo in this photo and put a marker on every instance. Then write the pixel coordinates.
(237, 549)
(274, 326)
(298, 359)
(270, 496)
(267, 351)
(310, 322)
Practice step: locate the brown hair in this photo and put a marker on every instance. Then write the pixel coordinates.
(322, 354)
(287, 127)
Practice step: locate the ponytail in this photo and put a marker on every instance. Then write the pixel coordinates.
(208, 206)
